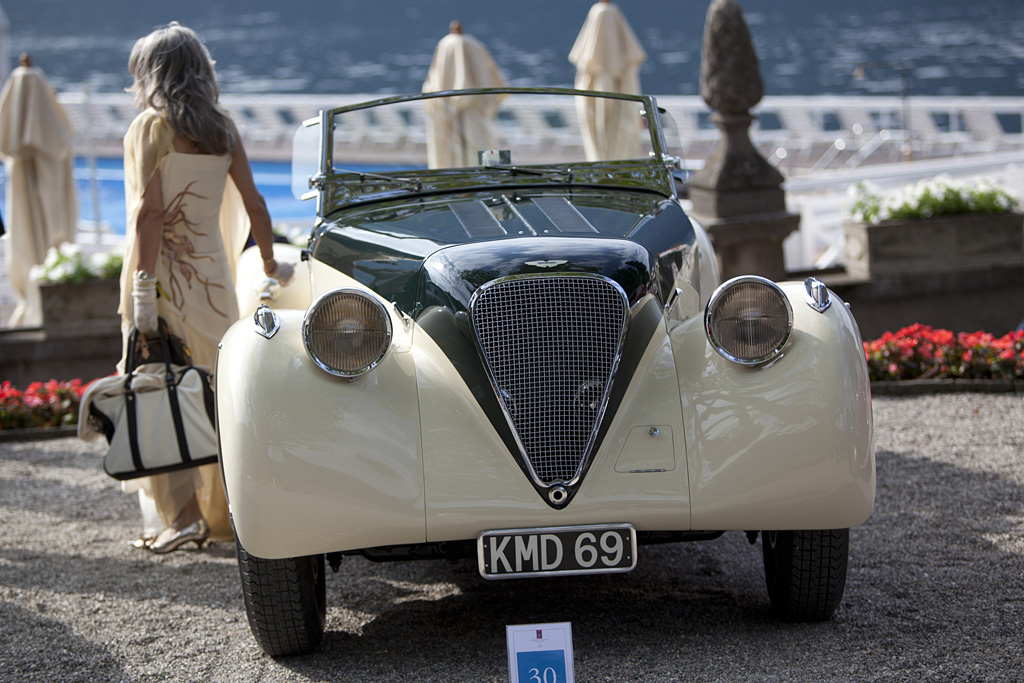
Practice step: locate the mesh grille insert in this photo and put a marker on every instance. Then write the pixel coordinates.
(551, 344)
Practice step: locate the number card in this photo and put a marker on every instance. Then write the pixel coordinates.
(540, 653)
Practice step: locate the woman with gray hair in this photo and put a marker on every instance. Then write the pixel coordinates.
(191, 201)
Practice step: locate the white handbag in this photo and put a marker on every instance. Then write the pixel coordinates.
(157, 417)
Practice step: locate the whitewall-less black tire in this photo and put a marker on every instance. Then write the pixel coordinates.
(284, 601)
(805, 571)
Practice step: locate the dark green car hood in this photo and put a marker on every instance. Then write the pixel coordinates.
(438, 250)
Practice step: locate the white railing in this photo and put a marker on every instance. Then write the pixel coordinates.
(823, 144)
(802, 128)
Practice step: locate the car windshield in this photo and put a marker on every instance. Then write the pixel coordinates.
(529, 132)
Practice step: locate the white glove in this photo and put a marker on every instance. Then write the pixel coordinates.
(144, 308)
(283, 272)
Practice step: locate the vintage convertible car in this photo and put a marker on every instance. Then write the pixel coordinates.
(508, 341)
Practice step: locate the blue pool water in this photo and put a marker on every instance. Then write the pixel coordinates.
(272, 178)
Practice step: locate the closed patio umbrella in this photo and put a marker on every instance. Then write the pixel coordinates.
(5, 43)
(42, 206)
(460, 127)
(607, 56)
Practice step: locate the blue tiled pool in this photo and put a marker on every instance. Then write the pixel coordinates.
(272, 178)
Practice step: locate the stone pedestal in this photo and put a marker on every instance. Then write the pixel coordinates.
(933, 245)
(738, 197)
(80, 310)
(28, 355)
(752, 245)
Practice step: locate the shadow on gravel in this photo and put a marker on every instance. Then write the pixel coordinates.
(441, 621)
(935, 593)
(136, 576)
(930, 593)
(83, 502)
(65, 483)
(57, 653)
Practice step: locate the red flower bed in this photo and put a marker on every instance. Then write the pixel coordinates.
(919, 352)
(915, 352)
(53, 404)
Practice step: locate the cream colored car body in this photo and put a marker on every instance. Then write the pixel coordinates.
(315, 463)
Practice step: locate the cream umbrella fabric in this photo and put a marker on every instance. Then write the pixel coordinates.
(42, 205)
(460, 127)
(5, 45)
(607, 56)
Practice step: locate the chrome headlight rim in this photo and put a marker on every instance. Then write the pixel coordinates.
(716, 343)
(321, 301)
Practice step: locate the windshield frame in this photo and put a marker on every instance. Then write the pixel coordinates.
(337, 188)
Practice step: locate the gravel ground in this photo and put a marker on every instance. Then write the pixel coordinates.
(935, 589)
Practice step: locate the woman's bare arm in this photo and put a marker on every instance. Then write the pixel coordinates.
(149, 224)
(255, 206)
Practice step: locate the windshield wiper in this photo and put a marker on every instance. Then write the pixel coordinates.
(515, 170)
(363, 175)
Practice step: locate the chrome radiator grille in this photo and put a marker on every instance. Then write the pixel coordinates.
(551, 344)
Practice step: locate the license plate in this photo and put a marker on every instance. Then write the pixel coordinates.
(561, 551)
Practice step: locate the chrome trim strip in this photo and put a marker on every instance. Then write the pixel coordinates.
(672, 297)
(267, 322)
(816, 294)
(716, 297)
(512, 207)
(502, 396)
(325, 155)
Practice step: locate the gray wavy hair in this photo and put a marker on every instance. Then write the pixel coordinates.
(174, 75)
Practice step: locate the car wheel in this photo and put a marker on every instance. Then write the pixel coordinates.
(805, 572)
(284, 601)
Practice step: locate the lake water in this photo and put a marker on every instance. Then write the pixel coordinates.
(948, 47)
(942, 47)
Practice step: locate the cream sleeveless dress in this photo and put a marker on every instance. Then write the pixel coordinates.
(195, 282)
(197, 292)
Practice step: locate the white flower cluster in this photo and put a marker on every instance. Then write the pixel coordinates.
(70, 263)
(939, 196)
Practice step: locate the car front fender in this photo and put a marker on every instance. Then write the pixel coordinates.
(291, 490)
(784, 446)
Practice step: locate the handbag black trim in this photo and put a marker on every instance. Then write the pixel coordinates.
(169, 350)
(165, 346)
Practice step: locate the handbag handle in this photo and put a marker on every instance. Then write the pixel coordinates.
(129, 393)
(165, 346)
(170, 386)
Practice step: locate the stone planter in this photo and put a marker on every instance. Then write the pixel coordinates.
(40, 434)
(934, 245)
(83, 310)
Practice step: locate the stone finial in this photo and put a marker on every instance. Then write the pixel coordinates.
(730, 83)
(730, 76)
(737, 194)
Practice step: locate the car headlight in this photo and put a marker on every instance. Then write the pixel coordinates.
(346, 332)
(748, 320)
